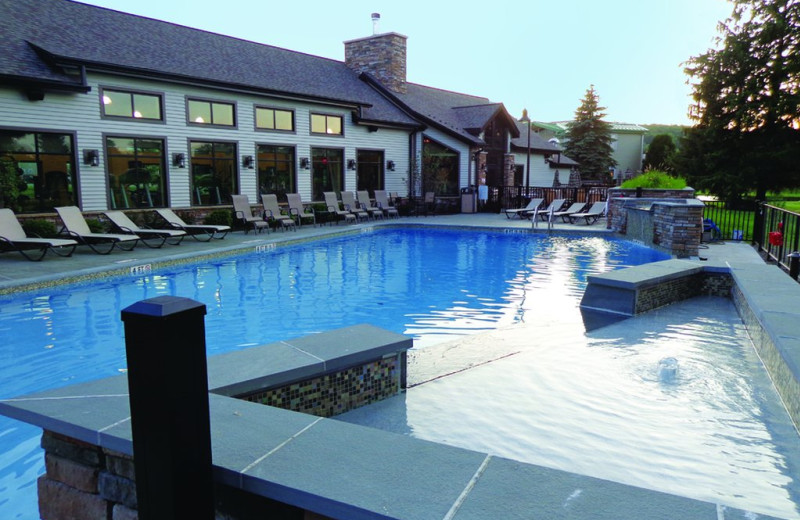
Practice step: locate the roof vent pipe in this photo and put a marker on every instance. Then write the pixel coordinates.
(376, 19)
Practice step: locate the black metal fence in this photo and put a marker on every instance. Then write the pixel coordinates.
(778, 233)
(729, 221)
(518, 196)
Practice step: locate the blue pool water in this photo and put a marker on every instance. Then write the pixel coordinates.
(436, 285)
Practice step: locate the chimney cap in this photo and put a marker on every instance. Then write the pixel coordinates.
(376, 16)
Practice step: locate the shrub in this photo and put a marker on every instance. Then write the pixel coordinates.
(219, 217)
(39, 228)
(655, 179)
(95, 226)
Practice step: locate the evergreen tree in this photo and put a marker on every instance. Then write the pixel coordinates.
(747, 94)
(589, 139)
(660, 153)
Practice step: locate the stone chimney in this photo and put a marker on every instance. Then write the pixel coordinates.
(381, 55)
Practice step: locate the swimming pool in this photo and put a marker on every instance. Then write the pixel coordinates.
(437, 285)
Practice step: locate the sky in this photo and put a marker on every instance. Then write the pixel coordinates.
(542, 55)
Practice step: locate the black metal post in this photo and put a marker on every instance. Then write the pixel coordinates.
(794, 264)
(168, 387)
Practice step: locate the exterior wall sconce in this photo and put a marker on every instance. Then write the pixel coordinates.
(179, 160)
(351, 164)
(248, 162)
(390, 165)
(304, 164)
(91, 157)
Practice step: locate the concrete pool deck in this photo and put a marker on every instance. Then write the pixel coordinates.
(388, 475)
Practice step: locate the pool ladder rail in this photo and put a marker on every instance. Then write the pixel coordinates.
(535, 219)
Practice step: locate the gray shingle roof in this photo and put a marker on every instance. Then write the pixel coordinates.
(538, 144)
(106, 39)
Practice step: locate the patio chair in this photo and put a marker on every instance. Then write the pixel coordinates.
(382, 201)
(13, 238)
(428, 203)
(272, 212)
(244, 214)
(194, 230)
(576, 207)
(123, 224)
(521, 212)
(333, 207)
(350, 204)
(298, 211)
(554, 207)
(363, 199)
(77, 228)
(593, 214)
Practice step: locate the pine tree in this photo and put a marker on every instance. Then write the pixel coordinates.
(589, 139)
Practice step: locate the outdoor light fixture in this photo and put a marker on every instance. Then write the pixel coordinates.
(91, 157)
(247, 162)
(304, 163)
(179, 160)
(351, 164)
(390, 165)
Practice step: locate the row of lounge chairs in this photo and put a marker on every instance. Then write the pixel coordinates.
(573, 213)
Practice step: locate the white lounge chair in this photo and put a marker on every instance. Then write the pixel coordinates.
(272, 211)
(13, 238)
(298, 210)
(593, 214)
(363, 199)
(194, 230)
(350, 204)
(554, 207)
(122, 223)
(382, 201)
(523, 212)
(576, 207)
(244, 214)
(333, 207)
(77, 228)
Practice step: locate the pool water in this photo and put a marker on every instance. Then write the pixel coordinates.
(436, 285)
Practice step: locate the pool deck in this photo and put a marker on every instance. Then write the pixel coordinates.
(399, 470)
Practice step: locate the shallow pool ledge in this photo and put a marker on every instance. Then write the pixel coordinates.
(767, 300)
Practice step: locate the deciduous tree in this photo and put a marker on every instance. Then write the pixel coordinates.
(660, 153)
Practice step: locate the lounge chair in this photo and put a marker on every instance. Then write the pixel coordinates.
(350, 204)
(363, 199)
(333, 207)
(272, 211)
(123, 224)
(554, 206)
(194, 230)
(13, 238)
(77, 228)
(593, 214)
(576, 207)
(382, 201)
(522, 212)
(244, 214)
(298, 211)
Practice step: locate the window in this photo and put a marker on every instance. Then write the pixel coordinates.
(274, 119)
(136, 172)
(326, 124)
(211, 113)
(276, 170)
(213, 172)
(44, 166)
(131, 105)
(439, 168)
(369, 164)
(327, 172)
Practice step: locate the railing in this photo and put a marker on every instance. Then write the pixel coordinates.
(778, 233)
(733, 222)
(518, 196)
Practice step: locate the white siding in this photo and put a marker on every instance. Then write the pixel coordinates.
(80, 113)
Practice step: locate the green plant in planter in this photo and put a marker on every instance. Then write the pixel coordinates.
(655, 179)
(39, 228)
(10, 181)
(219, 217)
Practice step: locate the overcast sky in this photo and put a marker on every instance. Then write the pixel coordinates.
(536, 54)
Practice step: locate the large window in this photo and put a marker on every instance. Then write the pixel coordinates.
(203, 112)
(326, 124)
(131, 105)
(136, 172)
(439, 168)
(276, 170)
(274, 119)
(43, 164)
(213, 172)
(369, 169)
(327, 171)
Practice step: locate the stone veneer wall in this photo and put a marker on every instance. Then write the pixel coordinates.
(671, 291)
(332, 394)
(381, 55)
